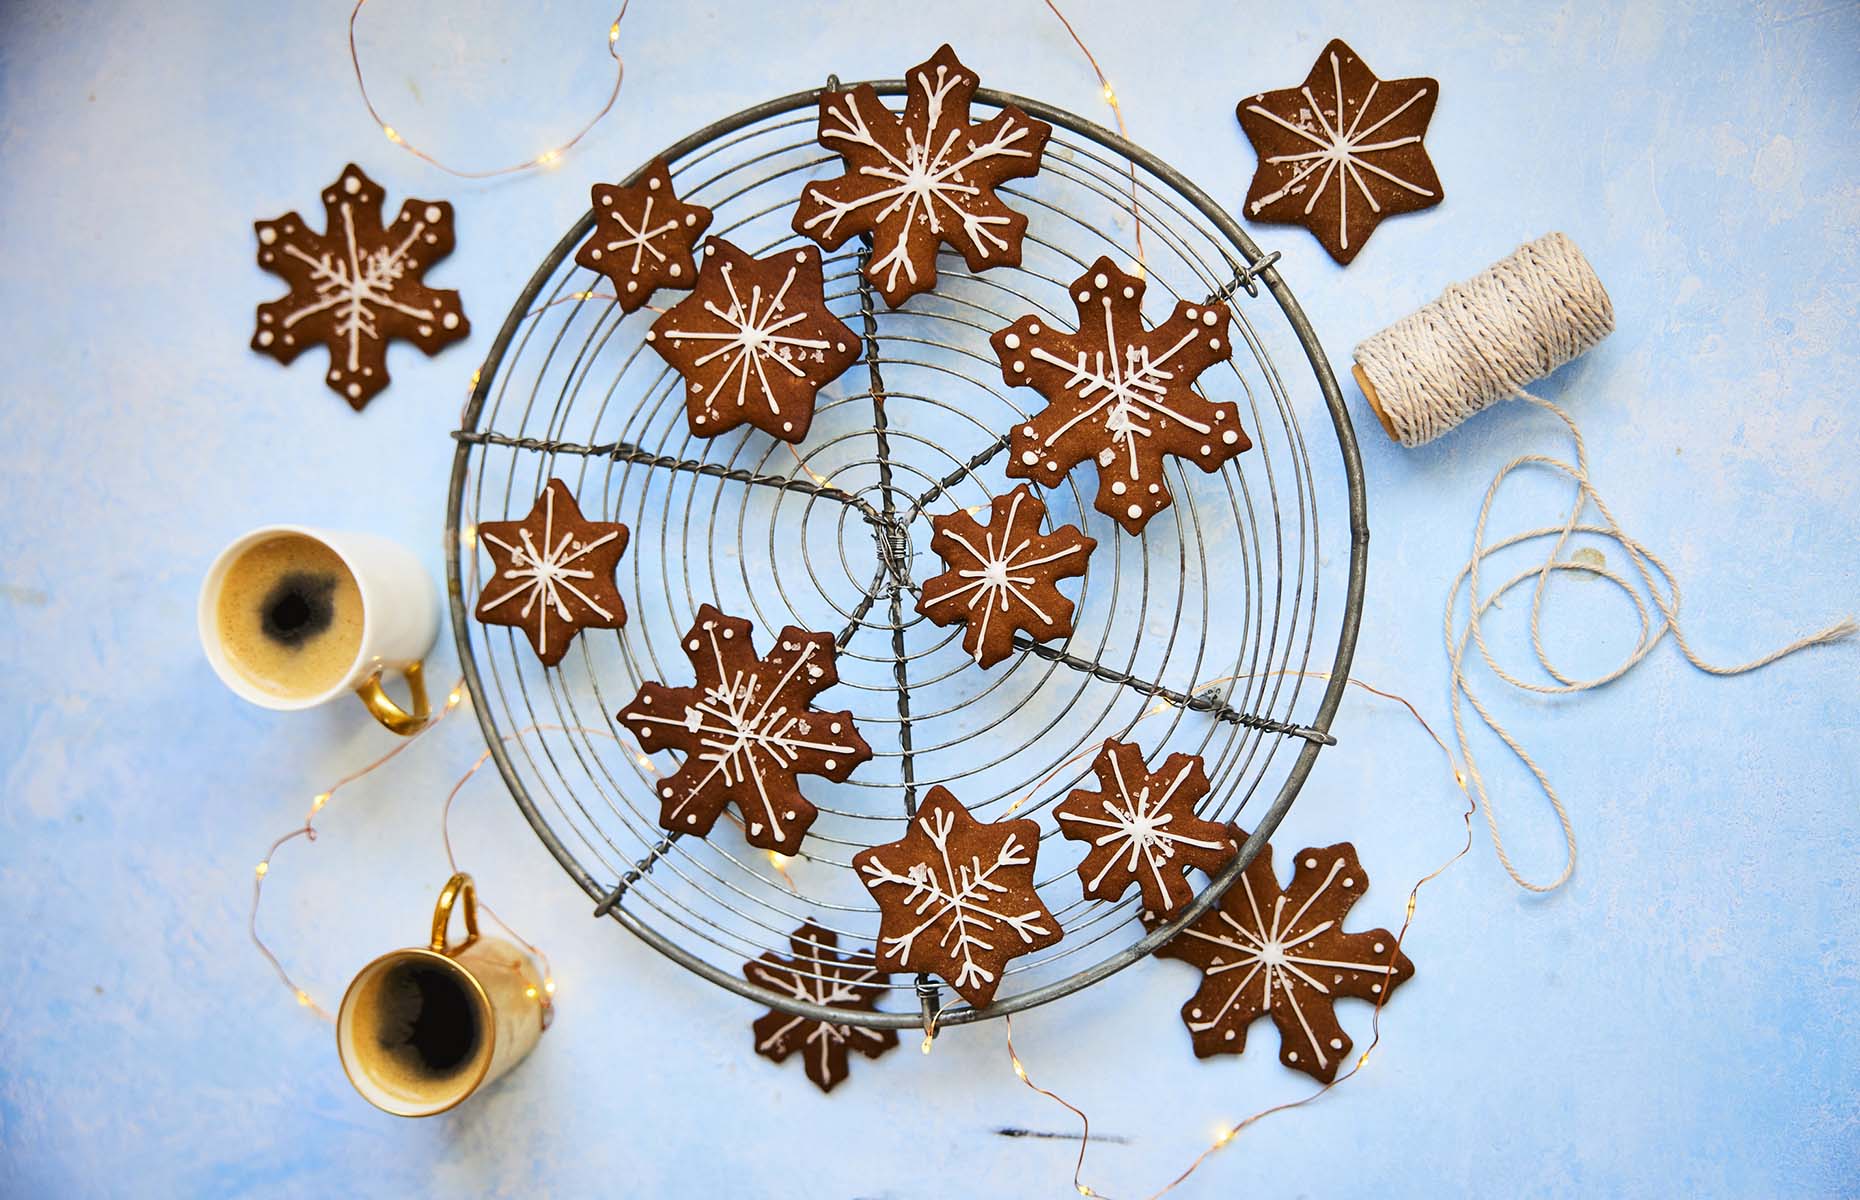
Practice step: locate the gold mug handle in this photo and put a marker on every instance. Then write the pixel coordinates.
(458, 885)
(383, 709)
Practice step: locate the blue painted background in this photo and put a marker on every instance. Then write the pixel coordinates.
(1683, 1018)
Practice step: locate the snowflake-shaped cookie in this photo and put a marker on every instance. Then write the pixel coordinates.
(819, 974)
(755, 342)
(1341, 151)
(553, 573)
(355, 285)
(1003, 575)
(1119, 394)
(1263, 951)
(746, 731)
(1143, 829)
(923, 179)
(956, 897)
(643, 237)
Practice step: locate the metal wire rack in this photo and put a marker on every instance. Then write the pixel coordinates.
(1207, 624)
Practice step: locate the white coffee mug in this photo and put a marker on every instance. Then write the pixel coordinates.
(399, 618)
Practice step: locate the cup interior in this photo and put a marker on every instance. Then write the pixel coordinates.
(282, 618)
(415, 1033)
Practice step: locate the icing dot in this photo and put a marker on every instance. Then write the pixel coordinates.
(1230, 437)
(1227, 1036)
(787, 426)
(1030, 457)
(691, 219)
(1349, 883)
(788, 815)
(830, 764)
(1117, 487)
(692, 644)
(1101, 280)
(1380, 947)
(632, 285)
(1195, 1013)
(710, 249)
(1135, 510)
(1192, 313)
(267, 256)
(800, 256)
(1083, 296)
(653, 184)
(1028, 430)
(1376, 987)
(691, 818)
(1154, 488)
(755, 827)
(1130, 293)
(431, 239)
(351, 184)
(1291, 1056)
(1336, 1043)
(433, 213)
(728, 634)
(1311, 863)
(426, 331)
(595, 254)
(264, 337)
(267, 235)
(666, 792)
(1033, 329)
(1207, 449)
(1051, 465)
(264, 318)
(606, 200)
(1011, 341)
(1019, 366)
(675, 270)
(355, 391)
(1209, 317)
(840, 346)
(1214, 343)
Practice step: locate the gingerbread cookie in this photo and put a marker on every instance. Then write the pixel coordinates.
(643, 237)
(355, 285)
(1143, 829)
(819, 974)
(956, 897)
(1003, 575)
(1266, 951)
(1119, 394)
(755, 342)
(553, 573)
(923, 179)
(746, 731)
(1341, 151)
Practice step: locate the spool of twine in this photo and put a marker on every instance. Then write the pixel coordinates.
(1481, 342)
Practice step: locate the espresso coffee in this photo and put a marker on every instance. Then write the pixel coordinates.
(290, 616)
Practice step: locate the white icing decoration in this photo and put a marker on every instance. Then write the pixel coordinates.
(826, 979)
(1338, 148)
(544, 574)
(755, 341)
(1137, 824)
(964, 895)
(640, 238)
(997, 578)
(1229, 437)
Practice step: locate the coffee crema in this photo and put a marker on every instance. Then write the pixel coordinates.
(290, 616)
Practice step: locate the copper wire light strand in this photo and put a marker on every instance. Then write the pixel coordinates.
(1117, 112)
(548, 158)
(1020, 1070)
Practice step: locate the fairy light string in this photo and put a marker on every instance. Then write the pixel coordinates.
(548, 158)
(1117, 113)
(1227, 1132)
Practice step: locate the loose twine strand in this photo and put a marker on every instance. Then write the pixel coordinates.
(1482, 341)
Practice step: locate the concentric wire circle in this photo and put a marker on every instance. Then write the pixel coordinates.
(1199, 636)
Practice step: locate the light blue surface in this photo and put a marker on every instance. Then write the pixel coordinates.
(1682, 1019)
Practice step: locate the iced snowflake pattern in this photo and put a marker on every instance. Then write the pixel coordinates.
(746, 731)
(554, 562)
(1330, 127)
(754, 342)
(1002, 575)
(923, 179)
(1263, 951)
(1119, 394)
(1142, 828)
(818, 974)
(356, 285)
(643, 236)
(956, 896)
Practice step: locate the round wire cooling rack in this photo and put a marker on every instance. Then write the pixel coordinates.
(1206, 625)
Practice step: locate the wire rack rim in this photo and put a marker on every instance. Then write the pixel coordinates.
(1256, 268)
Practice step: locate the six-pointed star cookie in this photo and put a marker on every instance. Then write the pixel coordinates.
(1263, 951)
(1003, 575)
(956, 898)
(1143, 829)
(1341, 151)
(643, 236)
(923, 179)
(746, 730)
(819, 974)
(554, 573)
(355, 285)
(755, 342)
(1119, 394)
